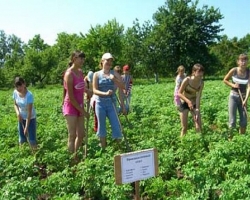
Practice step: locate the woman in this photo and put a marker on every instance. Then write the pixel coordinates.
(178, 80)
(104, 83)
(239, 92)
(73, 105)
(25, 111)
(128, 80)
(190, 94)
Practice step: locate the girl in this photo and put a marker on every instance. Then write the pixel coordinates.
(178, 80)
(73, 105)
(104, 83)
(128, 80)
(239, 92)
(190, 94)
(25, 111)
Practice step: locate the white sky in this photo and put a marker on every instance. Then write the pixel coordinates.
(26, 18)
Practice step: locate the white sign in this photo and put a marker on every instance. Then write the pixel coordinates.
(137, 166)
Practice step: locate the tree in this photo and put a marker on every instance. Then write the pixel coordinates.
(65, 45)
(227, 51)
(3, 47)
(184, 32)
(12, 60)
(39, 60)
(101, 39)
(135, 47)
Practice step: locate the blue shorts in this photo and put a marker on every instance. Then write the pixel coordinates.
(31, 132)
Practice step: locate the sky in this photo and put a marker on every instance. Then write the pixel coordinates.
(27, 18)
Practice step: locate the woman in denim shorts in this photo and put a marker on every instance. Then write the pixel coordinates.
(25, 111)
(104, 83)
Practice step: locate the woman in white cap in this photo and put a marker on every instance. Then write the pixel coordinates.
(104, 83)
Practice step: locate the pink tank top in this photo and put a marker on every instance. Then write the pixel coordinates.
(78, 88)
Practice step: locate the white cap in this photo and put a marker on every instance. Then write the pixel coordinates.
(107, 56)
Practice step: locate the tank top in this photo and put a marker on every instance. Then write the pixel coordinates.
(243, 87)
(105, 84)
(191, 92)
(78, 87)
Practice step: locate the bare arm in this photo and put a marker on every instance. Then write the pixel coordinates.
(198, 97)
(118, 80)
(17, 112)
(227, 78)
(248, 92)
(29, 112)
(181, 90)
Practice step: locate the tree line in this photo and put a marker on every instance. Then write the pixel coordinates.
(180, 33)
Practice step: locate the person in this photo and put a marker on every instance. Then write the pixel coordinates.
(190, 94)
(117, 68)
(178, 80)
(128, 80)
(91, 98)
(89, 85)
(73, 105)
(26, 113)
(239, 93)
(104, 83)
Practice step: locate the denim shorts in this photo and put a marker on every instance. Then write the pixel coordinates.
(183, 106)
(31, 132)
(106, 108)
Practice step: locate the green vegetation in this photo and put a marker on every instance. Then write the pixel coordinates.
(200, 166)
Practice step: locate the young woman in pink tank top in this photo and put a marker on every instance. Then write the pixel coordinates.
(73, 105)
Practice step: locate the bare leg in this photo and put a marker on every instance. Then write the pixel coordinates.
(80, 133)
(71, 125)
(184, 121)
(197, 122)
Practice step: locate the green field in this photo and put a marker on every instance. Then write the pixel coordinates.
(199, 166)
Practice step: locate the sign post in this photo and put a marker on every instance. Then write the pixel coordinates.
(136, 166)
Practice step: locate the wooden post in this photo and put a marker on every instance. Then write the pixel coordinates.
(137, 190)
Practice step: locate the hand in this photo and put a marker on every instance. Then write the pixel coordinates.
(190, 105)
(25, 131)
(244, 103)
(196, 114)
(236, 85)
(109, 92)
(111, 76)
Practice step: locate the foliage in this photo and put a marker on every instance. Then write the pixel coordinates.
(198, 166)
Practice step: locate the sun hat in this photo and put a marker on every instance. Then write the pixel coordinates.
(107, 56)
(125, 68)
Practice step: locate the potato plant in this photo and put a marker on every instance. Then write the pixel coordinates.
(197, 166)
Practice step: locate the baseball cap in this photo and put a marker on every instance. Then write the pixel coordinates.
(125, 68)
(107, 56)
